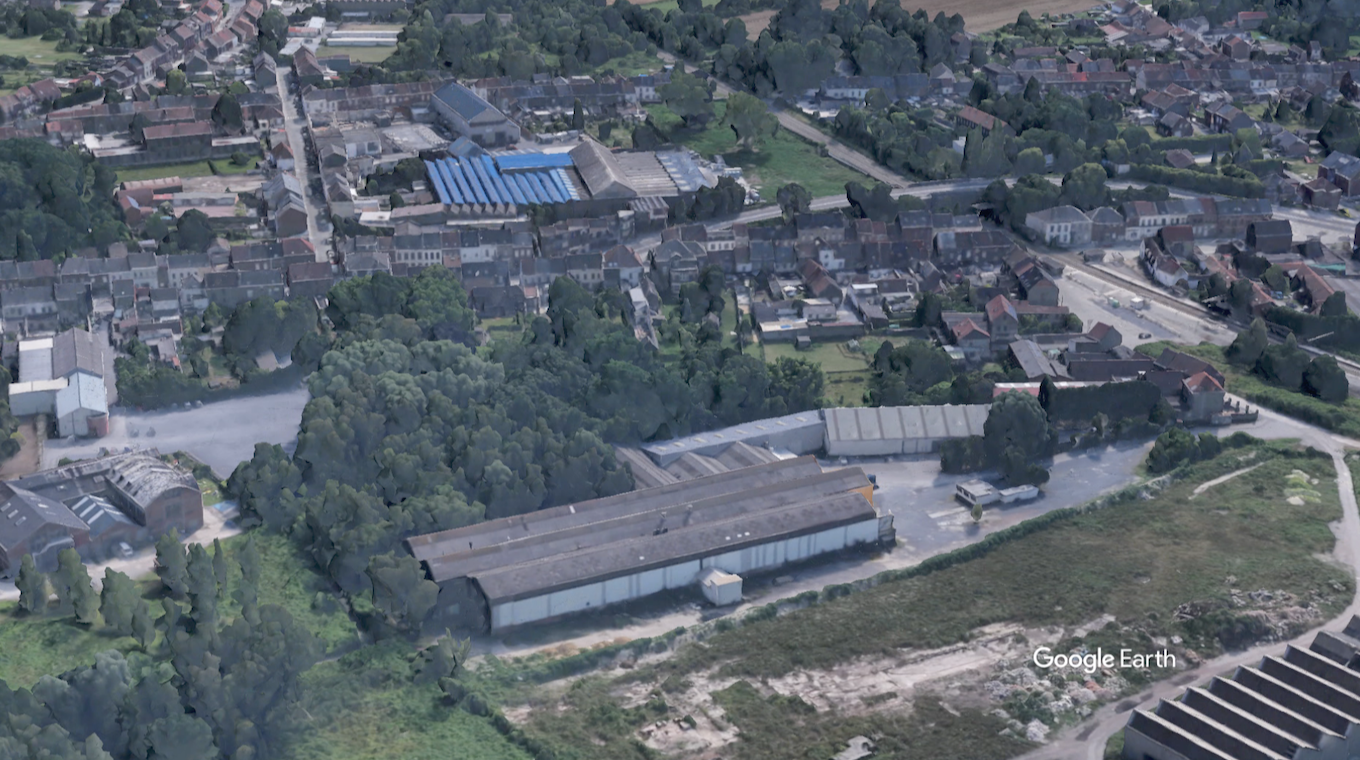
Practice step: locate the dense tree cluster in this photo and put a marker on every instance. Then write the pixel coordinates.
(1288, 366)
(135, 25)
(1178, 446)
(917, 372)
(201, 687)
(408, 433)
(22, 20)
(1015, 438)
(53, 201)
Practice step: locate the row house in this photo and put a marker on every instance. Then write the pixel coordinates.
(310, 280)
(1341, 170)
(607, 97)
(971, 248)
(358, 103)
(580, 236)
(29, 99)
(230, 289)
(1225, 117)
(971, 118)
(1080, 83)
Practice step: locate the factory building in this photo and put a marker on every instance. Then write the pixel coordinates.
(63, 376)
(688, 466)
(589, 176)
(93, 506)
(887, 430)
(1302, 705)
(578, 557)
(800, 433)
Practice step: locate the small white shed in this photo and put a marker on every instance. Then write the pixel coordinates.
(721, 588)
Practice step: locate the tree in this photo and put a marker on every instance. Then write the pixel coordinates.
(443, 659)
(227, 113)
(1173, 448)
(1016, 435)
(1247, 347)
(401, 591)
(793, 199)
(977, 508)
(1326, 380)
(1084, 187)
(194, 231)
(1239, 294)
(118, 601)
(1284, 364)
(750, 120)
(687, 96)
(1029, 161)
(175, 82)
(32, 587)
(72, 584)
(143, 628)
(172, 563)
(578, 115)
(1334, 306)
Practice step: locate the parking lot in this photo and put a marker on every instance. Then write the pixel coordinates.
(221, 434)
(928, 518)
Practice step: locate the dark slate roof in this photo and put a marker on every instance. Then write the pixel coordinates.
(463, 101)
(23, 512)
(76, 350)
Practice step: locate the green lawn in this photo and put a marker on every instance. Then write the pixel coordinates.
(184, 171)
(636, 62)
(834, 357)
(34, 646)
(783, 159)
(38, 51)
(291, 581)
(666, 6)
(376, 54)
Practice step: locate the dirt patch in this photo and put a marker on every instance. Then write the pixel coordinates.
(756, 23)
(1202, 487)
(985, 15)
(29, 458)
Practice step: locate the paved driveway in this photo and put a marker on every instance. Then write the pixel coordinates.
(221, 434)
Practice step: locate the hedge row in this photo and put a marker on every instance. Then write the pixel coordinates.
(1195, 143)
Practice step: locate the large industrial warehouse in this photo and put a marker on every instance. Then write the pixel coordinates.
(508, 572)
(887, 430)
(1302, 705)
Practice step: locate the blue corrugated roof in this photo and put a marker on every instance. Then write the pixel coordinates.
(437, 182)
(564, 185)
(507, 187)
(545, 189)
(451, 166)
(524, 187)
(529, 161)
(478, 191)
(491, 191)
(451, 185)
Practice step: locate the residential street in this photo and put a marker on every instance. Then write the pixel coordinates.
(293, 123)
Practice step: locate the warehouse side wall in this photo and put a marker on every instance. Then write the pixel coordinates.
(638, 585)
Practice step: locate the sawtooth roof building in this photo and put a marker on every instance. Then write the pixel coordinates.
(93, 505)
(1302, 705)
(579, 557)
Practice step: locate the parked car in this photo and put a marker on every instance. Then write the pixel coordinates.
(1144, 336)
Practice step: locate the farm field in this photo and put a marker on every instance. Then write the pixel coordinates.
(41, 55)
(986, 15)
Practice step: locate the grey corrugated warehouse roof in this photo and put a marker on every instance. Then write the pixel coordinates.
(679, 545)
(603, 175)
(520, 542)
(433, 546)
(904, 422)
(753, 433)
(1306, 700)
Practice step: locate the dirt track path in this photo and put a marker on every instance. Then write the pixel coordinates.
(1088, 739)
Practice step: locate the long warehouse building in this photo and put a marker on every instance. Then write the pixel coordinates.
(1302, 705)
(554, 562)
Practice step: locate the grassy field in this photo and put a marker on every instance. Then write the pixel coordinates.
(41, 55)
(1137, 561)
(376, 54)
(784, 158)
(184, 171)
(636, 62)
(834, 357)
(1341, 418)
(34, 646)
(364, 706)
(289, 580)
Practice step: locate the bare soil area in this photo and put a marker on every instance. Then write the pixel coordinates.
(28, 460)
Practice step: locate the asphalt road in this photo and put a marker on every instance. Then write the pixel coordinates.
(221, 434)
(293, 122)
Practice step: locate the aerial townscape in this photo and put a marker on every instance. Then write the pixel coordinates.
(679, 379)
